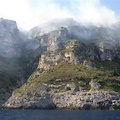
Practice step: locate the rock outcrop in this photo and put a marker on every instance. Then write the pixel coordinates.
(65, 93)
(50, 26)
(9, 39)
(43, 99)
(103, 41)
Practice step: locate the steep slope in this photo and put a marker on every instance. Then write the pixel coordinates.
(67, 86)
(77, 68)
(71, 78)
(13, 63)
(10, 52)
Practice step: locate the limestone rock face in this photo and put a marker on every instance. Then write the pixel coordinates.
(52, 41)
(71, 100)
(96, 42)
(50, 58)
(72, 51)
(56, 41)
(9, 39)
(50, 26)
(106, 43)
(94, 85)
(63, 96)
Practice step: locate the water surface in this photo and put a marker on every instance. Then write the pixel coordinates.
(59, 115)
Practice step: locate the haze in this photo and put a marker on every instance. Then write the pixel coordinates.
(30, 13)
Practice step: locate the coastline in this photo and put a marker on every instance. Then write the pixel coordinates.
(100, 100)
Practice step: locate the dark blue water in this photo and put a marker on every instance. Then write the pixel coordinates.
(59, 115)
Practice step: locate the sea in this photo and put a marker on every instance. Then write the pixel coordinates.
(59, 114)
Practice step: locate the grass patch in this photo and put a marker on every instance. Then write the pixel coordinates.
(79, 74)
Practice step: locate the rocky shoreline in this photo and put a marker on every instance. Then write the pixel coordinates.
(97, 100)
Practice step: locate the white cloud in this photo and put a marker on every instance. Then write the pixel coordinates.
(18, 10)
(29, 13)
(92, 11)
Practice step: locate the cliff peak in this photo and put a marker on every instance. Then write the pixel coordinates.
(9, 38)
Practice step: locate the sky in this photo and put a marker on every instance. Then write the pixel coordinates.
(30, 13)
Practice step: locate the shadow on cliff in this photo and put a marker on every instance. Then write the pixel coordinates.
(14, 72)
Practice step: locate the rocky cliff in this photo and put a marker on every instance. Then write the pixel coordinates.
(68, 86)
(9, 38)
(75, 67)
(50, 26)
(12, 60)
(70, 100)
(78, 43)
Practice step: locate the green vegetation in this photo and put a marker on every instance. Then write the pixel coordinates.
(106, 73)
(81, 75)
(13, 70)
(10, 71)
(48, 52)
(65, 50)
